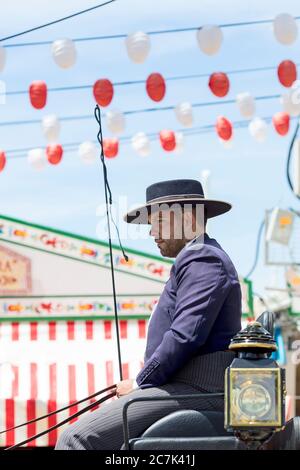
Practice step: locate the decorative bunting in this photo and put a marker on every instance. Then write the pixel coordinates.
(209, 39)
(281, 122)
(103, 91)
(38, 94)
(219, 84)
(224, 128)
(138, 47)
(156, 87)
(64, 53)
(167, 140)
(54, 153)
(110, 147)
(287, 73)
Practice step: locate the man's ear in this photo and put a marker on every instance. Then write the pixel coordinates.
(189, 225)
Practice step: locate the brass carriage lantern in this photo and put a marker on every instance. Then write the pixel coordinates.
(254, 387)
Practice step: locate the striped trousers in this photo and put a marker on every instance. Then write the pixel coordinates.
(103, 428)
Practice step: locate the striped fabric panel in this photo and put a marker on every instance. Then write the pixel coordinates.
(46, 365)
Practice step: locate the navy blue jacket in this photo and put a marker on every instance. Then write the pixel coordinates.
(198, 312)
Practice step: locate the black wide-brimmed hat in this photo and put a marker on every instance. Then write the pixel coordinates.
(172, 191)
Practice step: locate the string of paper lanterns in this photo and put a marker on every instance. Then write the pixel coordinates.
(169, 141)
(209, 39)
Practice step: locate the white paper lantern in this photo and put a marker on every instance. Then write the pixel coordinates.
(2, 58)
(184, 114)
(285, 28)
(87, 152)
(258, 129)
(64, 53)
(138, 46)
(51, 128)
(115, 121)
(37, 158)
(246, 105)
(141, 144)
(209, 39)
(291, 101)
(179, 137)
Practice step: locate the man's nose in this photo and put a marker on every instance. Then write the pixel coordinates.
(153, 232)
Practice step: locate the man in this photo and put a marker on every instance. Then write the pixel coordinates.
(189, 332)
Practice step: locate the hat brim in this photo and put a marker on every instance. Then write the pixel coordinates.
(140, 214)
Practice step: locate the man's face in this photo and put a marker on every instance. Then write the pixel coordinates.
(167, 228)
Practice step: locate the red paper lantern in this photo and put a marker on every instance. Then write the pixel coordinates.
(287, 73)
(219, 84)
(38, 94)
(103, 91)
(110, 147)
(281, 122)
(2, 161)
(224, 128)
(167, 140)
(54, 153)
(156, 86)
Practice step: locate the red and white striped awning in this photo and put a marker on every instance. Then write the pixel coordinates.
(46, 365)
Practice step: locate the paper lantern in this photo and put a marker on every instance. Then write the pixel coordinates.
(291, 101)
(51, 128)
(2, 160)
(184, 114)
(37, 158)
(224, 128)
(209, 39)
(64, 53)
(246, 105)
(258, 129)
(54, 153)
(287, 73)
(138, 46)
(141, 144)
(167, 140)
(156, 86)
(38, 94)
(281, 122)
(103, 91)
(285, 28)
(110, 147)
(2, 58)
(87, 152)
(219, 84)
(115, 121)
(179, 139)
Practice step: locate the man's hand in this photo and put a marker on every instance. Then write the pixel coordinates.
(124, 387)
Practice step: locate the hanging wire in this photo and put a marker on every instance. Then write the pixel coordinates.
(56, 21)
(136, 111)
(139, 82)
(259, 234)
(288, 163)
(124, 35)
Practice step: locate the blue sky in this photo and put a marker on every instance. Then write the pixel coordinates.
(250, 175)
